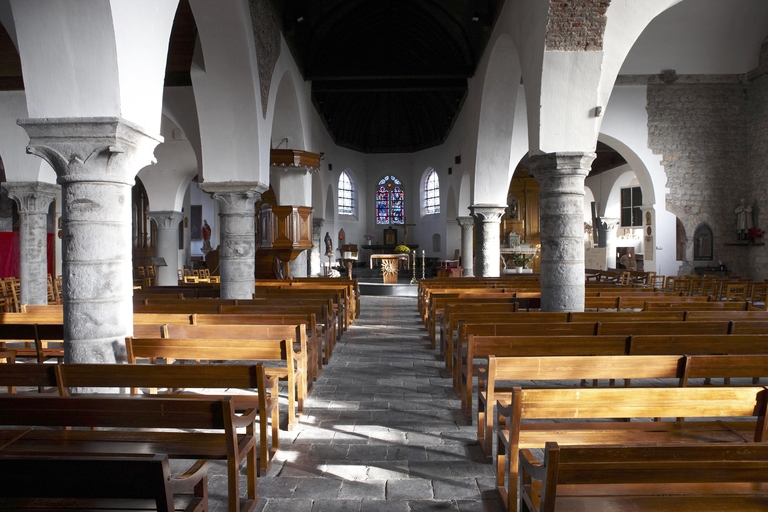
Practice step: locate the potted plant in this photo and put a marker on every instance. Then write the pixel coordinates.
(402, 249)
(520, 260)
(369, 239)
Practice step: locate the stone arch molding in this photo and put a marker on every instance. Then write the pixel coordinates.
(287, 122)
(496, 122)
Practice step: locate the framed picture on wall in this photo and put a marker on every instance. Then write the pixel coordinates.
(196, 215)
(390, 236)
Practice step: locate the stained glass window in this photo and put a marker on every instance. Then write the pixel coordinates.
(432, 193)
(390, 201)
(346, 195)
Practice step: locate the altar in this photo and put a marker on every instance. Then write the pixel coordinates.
(390, 264)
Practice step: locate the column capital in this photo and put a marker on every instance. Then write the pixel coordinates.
(490, 213)
(235, 196)
(466, 222)
(562, 163)
(611, 223)
(32, 196)
(166, 219)
(93, 149)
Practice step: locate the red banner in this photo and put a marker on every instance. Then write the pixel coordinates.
(9, 254)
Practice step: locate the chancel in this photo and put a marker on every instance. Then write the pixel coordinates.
(240, 182)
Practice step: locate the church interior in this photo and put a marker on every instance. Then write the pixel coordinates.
(372, 211)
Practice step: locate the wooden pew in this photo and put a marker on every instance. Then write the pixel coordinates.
(697, 306)
(718, 405)
(485, 346)
(560, 368)
(230, 350)
(122, 415)
(577, 329)
(100, 483)
(264, 398)
(35, 338)
(273, 332)
(700, 476)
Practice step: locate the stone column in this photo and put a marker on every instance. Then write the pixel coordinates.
(33, 199)
(561, 203)
(487, 221)
(96, 161)
(167, 245)
(238, 243)
(316, 258)
(467, 230)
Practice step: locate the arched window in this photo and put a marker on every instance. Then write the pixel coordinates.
(390, 201)
(432, 193)
(346, 195)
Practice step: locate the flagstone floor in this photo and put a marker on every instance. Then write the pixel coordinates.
(382, 430)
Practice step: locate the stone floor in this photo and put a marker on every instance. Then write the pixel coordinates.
(382, 430)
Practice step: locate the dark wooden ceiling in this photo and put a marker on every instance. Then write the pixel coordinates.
(388, 75)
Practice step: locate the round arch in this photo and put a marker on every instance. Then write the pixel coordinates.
(286, 121)
(496, 123)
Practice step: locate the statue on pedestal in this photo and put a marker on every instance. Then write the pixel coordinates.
(743, 220)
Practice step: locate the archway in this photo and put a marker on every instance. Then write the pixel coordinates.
(497, 117)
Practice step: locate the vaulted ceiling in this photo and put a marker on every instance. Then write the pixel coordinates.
(388, 75)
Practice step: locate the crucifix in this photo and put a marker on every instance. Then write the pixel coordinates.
(405, 231)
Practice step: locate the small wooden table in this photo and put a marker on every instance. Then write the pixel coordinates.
(390, 265)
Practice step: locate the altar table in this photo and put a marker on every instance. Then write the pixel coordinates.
(390, 265)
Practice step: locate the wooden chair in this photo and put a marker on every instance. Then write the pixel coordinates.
(215, 279)
(682, 286)
(657, 281)
(190, 279)
(759, 294)
(625, 278)
(711, 288)
(736, 292)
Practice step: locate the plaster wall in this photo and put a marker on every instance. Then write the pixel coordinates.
(167, 181)
(93, 58)
(625, 128)
(19, 166)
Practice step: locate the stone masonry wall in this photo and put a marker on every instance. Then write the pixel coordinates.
(576, 25)
(701, 132)
(757, 164)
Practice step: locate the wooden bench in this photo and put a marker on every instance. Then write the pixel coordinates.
(577, 329)
(133, 424)
(718, 405)
(635, 477)
(226, 379)
(227, 349)
(561, 368)
(100, 483)
(32, 340)
(485, 346)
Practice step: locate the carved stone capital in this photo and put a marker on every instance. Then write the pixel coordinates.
(32, 196)
(487, 213)
(93, 149)
(561, 165)
(466, 222)
(235, 197)
(166, 219)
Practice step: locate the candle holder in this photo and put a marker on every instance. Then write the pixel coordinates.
(413, 267)
(423, 262)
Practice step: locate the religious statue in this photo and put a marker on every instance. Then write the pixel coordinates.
(205, 232)
(743, 220)
(328, 245)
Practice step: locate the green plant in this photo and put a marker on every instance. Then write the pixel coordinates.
(402, 249)
(520, 260)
